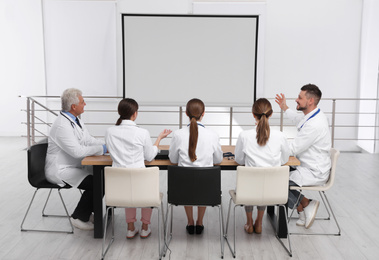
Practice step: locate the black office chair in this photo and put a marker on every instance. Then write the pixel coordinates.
(194, 186)
(36, 177)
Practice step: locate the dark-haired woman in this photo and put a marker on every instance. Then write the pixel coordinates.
(129, 146)
(260, 147)
(195, 146)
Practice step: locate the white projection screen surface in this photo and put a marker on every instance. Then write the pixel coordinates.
(169, 59)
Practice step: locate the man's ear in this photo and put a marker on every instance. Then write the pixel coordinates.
(311, 101)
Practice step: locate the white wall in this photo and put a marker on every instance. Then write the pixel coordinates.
(22, 61)
(305, 41)
(369, 74)
(313, 42)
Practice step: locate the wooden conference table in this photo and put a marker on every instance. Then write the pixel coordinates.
(99, 162)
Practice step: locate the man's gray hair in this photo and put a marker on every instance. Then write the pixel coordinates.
(70, 97)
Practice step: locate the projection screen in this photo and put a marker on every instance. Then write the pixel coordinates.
(169, 59)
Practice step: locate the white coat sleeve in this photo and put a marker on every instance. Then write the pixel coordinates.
(173, 153)
(69, 143)
(285, 150)
(218, 154)
(239, 155)
(294, 116)
(149, 150)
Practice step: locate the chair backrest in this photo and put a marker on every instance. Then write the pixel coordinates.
(132, 187)
(334, 155)
(262, 185)
(197, 186)
(36, 166)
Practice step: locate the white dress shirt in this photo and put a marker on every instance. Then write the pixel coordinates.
(208, 149)
(68, 145)
(249, 153)
(129, 145)
(311, 146)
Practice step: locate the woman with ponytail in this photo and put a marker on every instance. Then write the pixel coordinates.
(195, 146)
(260, 147)
(129, 146)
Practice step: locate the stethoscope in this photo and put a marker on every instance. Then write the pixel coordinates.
(199, 124)
(309, 118)
(73, 124)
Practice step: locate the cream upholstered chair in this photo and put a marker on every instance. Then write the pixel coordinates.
(132, 188)
(334, 154)
(259, 186)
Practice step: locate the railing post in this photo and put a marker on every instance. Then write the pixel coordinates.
(231, 126)
(180, 117)
(28, 120)
(33, 122)
(333, 120)
(281, 120)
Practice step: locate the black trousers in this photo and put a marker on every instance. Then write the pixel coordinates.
(84, 208)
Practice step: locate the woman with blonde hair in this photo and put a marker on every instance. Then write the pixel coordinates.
(260, 147)
(129, 146)
(195, 146)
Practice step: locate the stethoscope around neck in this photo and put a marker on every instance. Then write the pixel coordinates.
(199, 124)
(73, 124)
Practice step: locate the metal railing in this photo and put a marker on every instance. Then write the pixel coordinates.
(40, 117)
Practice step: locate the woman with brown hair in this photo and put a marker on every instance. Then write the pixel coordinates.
(195, 146)
(260, 147)
(129, 146)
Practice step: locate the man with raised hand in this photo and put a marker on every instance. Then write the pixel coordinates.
(311, 146)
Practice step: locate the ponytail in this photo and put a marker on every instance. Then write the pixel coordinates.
(262, 110)
(119, 120)
(194, 110)
(263, 130)
(194, 133)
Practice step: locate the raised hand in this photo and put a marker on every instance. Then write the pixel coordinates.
(281, 101)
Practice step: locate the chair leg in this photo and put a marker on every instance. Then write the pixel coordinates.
(164, 230)
(329, 210)
(292, 211)
(27, 211)
(54, 215)
(160, 249)
(327, 205)
(221, 219)
(43, 230)
(44, 207)
(323, 201)
(289, 250)
(105, 250)
(169, 221)
(227, 228)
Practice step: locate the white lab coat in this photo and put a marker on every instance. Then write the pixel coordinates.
(274, 153)
(68, 146)
(312, 147)
(208, 149)
(129, 145)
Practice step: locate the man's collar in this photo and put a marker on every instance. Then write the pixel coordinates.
(311, 113)
(69, 114)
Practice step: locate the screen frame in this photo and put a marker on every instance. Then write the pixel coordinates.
(257, 25)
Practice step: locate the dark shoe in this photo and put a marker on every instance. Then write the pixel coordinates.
(199, 229)
(190, 229)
